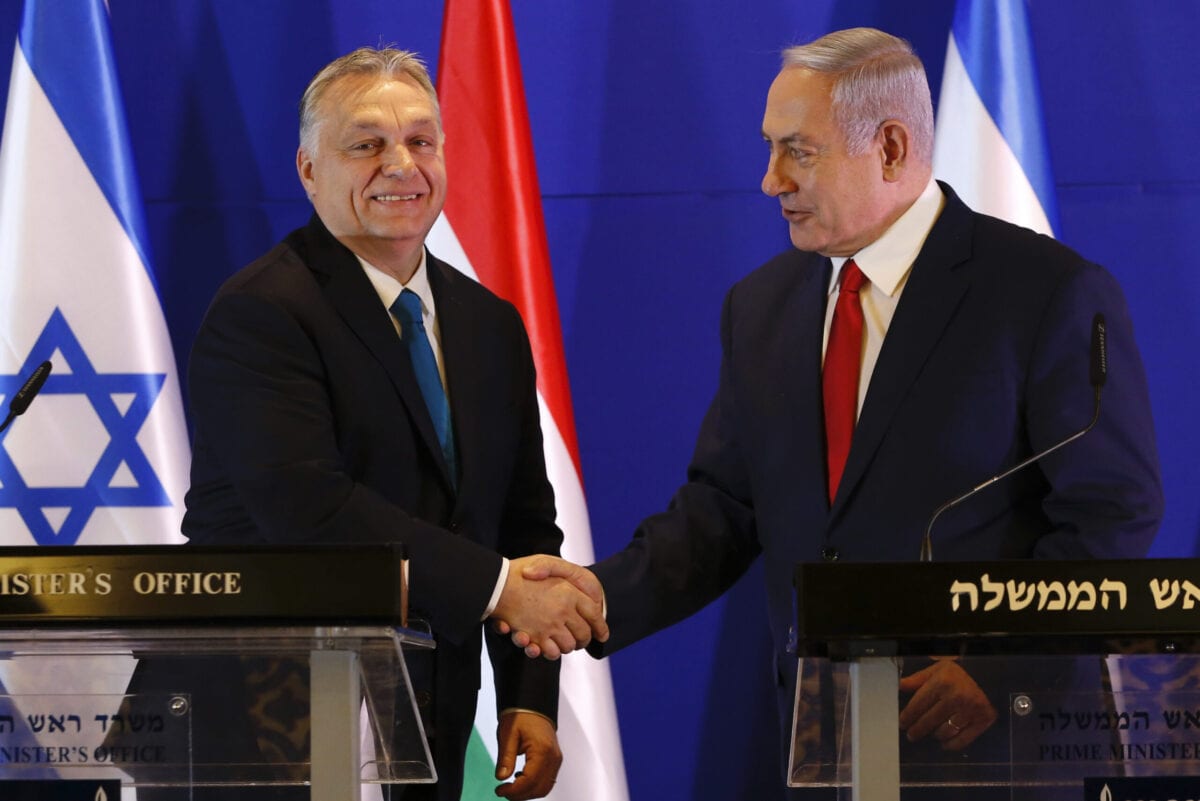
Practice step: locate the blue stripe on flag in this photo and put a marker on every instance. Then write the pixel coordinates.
(994, 42)
(67, 45)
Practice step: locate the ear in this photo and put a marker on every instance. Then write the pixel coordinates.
(304, 168)
(894, 141)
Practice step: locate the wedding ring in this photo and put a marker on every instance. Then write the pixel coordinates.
(950, 722)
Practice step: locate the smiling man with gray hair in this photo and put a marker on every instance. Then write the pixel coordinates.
(350, 387)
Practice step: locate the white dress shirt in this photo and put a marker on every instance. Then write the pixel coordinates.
(388, 289)
(886, 263)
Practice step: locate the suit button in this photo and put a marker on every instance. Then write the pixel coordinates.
(424, 699)
(454, 526)
(830, 554)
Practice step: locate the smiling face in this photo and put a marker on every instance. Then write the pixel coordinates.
(836, 202)
(374, 168)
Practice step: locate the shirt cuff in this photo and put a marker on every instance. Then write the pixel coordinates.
(495, 599)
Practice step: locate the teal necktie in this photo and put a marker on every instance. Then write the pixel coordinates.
(407, 309)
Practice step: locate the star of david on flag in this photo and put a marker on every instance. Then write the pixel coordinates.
(101, 455)
(121, 474)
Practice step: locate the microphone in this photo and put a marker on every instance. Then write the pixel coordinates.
(25, 395)
(1097, 375)
(1099, 370)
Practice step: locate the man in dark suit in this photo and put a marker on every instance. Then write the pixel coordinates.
(971, 352)
(316, 421)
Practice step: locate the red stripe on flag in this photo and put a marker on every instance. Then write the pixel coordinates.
(493, 201)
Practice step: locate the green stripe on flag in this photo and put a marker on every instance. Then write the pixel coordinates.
(479, 779)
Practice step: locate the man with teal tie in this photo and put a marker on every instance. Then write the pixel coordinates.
(349, 387)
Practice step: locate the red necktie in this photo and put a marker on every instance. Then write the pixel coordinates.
(839, 378)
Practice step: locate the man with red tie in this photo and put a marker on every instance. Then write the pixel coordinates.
(906, 349)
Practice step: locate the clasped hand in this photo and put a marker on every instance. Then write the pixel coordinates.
(550, 606)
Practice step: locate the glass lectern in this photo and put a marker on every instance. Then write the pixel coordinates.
(174, 668)
(1091, 667)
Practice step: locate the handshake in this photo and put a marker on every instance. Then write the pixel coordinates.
(550, 606)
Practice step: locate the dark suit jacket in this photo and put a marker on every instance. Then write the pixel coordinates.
(986, 362)
(310, 427)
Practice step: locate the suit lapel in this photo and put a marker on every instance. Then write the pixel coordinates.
(937, 283)
(351, 294)
(802, 320)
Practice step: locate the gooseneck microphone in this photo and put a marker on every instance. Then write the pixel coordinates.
(25, 395)
(1097, 375)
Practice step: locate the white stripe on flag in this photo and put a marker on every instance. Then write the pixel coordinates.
(972, 155)
(587, 713)
(593, 762)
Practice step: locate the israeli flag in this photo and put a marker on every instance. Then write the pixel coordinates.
(991, 143)
(101, 456)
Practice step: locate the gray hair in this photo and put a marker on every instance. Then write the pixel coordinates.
(877, 77)
(386, 62)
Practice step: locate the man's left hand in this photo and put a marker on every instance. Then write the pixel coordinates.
(946, 703)
(534, 736)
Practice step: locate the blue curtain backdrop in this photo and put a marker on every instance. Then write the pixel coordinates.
(646, 121)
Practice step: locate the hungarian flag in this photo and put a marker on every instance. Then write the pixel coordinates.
(492, 229)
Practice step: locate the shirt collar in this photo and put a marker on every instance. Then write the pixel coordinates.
(887, 260)
(388, 288)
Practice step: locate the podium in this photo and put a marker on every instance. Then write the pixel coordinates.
(171, 668)
(1093, 669)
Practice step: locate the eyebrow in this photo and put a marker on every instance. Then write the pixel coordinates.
(371, 122)
(790, 139)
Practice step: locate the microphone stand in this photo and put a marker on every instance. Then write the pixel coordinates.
(927, 543)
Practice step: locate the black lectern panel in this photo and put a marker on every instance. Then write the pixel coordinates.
(197, 585)
(1005, 607)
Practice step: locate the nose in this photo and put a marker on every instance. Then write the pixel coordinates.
(398, 162)
(775, 181)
